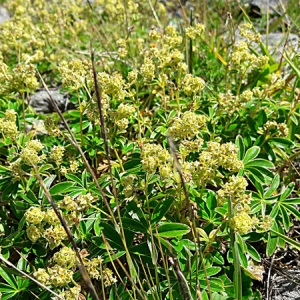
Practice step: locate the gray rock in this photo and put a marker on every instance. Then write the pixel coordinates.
(4, 15)
(271, 6)
(285, 286)
(277, 44)
(41, 103)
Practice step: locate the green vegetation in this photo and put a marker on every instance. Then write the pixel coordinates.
(174, 173)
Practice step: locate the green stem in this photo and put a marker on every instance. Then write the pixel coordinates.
(237, 274)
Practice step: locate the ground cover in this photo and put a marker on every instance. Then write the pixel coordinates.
(170, 172)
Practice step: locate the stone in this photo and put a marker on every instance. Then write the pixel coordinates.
(276, 44)
(274, 7)
(4, 15)
(41, 103)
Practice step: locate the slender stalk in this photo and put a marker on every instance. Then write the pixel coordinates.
(237, 274)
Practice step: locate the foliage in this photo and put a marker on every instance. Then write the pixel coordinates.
(172, 172)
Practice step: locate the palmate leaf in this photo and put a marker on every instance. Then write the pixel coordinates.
(9, 278)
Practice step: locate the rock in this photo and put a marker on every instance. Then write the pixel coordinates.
(276, 44)
(265, 6)
(41, 103)
(285, 286)
(4, 15)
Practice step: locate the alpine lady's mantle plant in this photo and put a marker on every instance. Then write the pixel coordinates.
(144, 222)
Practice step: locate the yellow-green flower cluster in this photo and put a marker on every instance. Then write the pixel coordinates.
(65, 258)
(95, 270)
(34, 215)
(154, 156)
(243, 222)
(187, 126)
(147, 70)
(118, 11)
(244, 60)
(112, 85)
(56, 276)
(276, 82)
(192, 85)
(24, 78)
(51, 217)
(30, 155)
(246, 31)
(8, 127)
(127, 183)
(16, 170)
(235, 189)
(171, 37)
(46, 224)
(68, 203)
(34, 233)
(74, 73)
(230, 104)
(122, 48)
(186, 147)
(55, 235)
(84, 202)
(51, 127)
(57, 153)
(216, 155)
(275, 129)
(195, 31)
(70, 294)
(121, 115)
(92, 110)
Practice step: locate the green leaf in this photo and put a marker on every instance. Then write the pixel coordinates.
(286, 238)
(263, 163)
(216, 284)
(273, 186)
(61, 187)
(97, 228)
(251, 154)
(7, 296)
(211, 271)
(133, 225)
(47, 181)
(39, 250)
(296, 70)
(9, 278)
(274, 210)
(242, 256)
(112, 236)
(281, 142)
(161, 209)
(253, 253)
(74, 178)
(292, 201)
(217, 257)
(294, 211)
(285, 218)
(294, 118)
(287, 191)
(256, 174)
(272, 240)
(5, 288)
(169, 230)
(30, 197)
